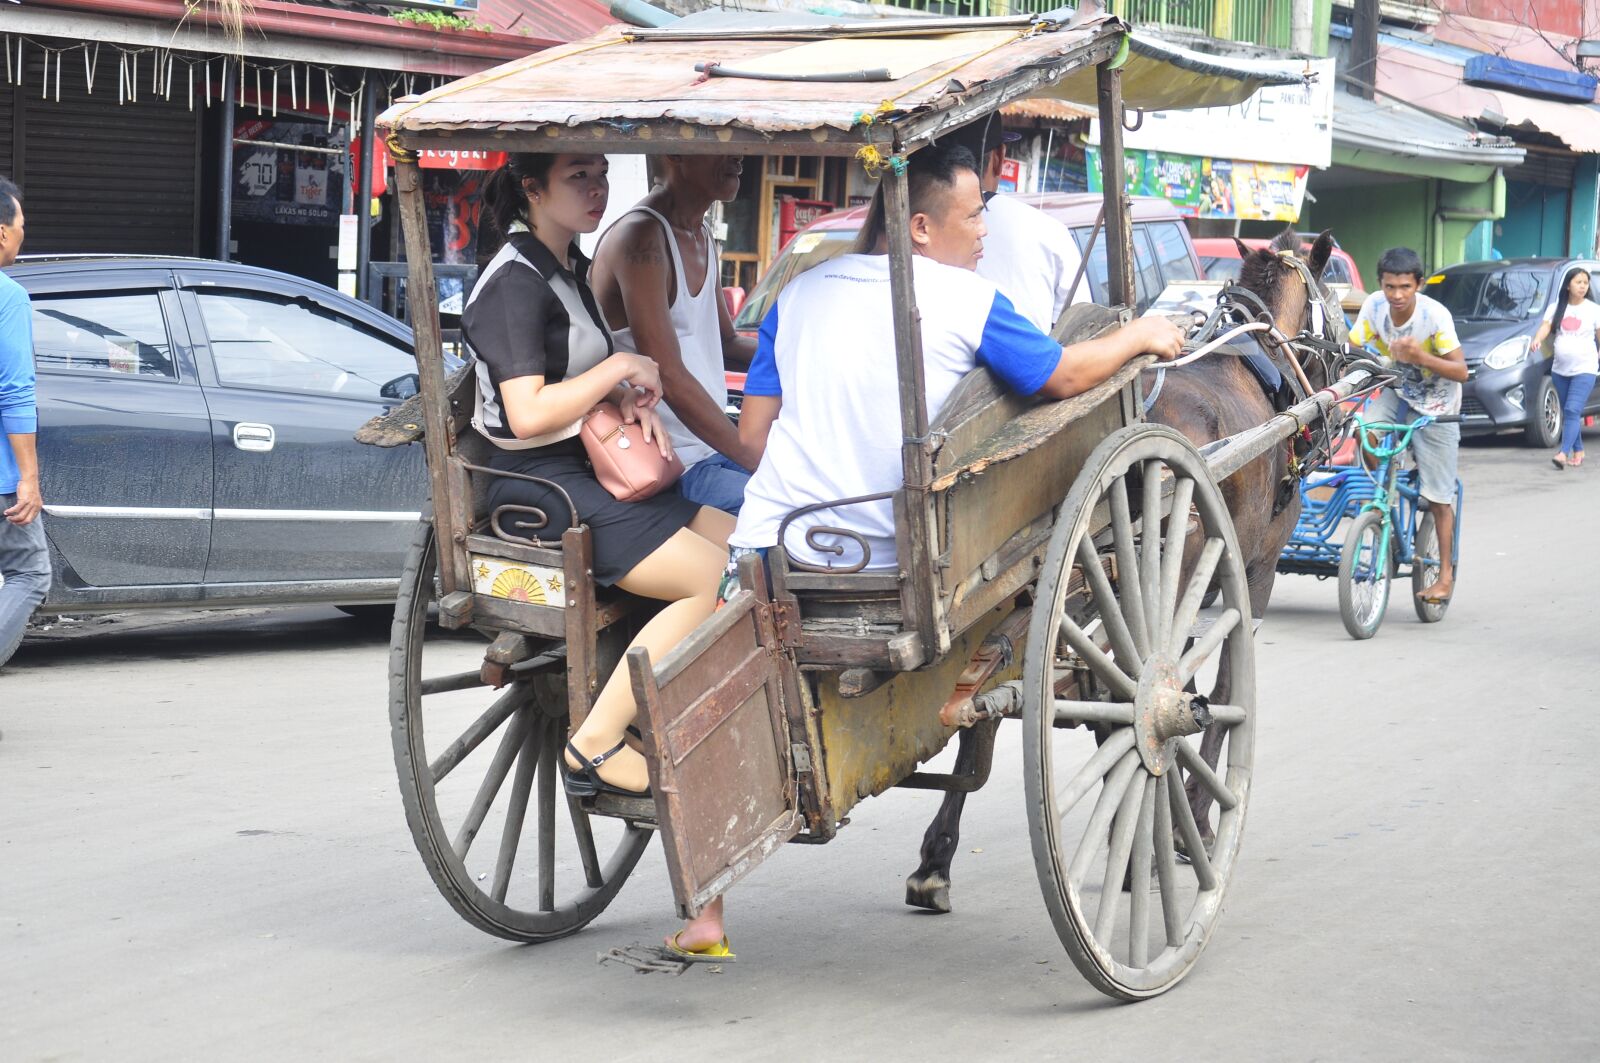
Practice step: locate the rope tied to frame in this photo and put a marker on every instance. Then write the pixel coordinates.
(874, 162)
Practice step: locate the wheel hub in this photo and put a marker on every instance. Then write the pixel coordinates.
(1163, 712)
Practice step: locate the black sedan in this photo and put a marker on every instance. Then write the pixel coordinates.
(1498, 307)
(195, 436)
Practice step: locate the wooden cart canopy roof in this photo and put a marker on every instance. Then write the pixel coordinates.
(810, 89)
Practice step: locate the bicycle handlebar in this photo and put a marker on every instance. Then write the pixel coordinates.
(1403, 432)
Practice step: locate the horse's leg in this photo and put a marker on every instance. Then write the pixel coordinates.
(929, 885)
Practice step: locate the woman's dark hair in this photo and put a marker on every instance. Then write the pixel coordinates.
(929, 174)
(1400, 260)
(504, 199)
(1565, 299)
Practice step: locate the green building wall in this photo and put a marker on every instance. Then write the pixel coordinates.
(1440, 220)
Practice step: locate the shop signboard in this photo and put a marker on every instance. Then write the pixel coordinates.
(288, 172)
(1211, 188)
(1280, 123)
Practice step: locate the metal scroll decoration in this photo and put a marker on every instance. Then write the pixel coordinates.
(536, 518)
(814, 533)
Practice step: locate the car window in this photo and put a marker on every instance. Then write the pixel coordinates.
(1222, 268)
(1172, 252)
(804, 251)
(272, 341)
(1337, 272)
(1513, 294)
(122, 332)
(1095, 270)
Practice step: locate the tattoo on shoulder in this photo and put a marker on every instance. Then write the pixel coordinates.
(645, 251)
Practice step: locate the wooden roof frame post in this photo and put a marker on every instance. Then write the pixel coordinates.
(918, 602)
(422, 300)
(1113, 179)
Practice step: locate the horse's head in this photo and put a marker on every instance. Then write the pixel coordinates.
(1290, 284)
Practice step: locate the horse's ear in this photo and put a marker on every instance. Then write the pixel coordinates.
(1321, 251)
(1288, 240)
(1245, 250)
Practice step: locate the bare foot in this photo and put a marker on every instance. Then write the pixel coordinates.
(1440, 589)
(1577, 458)
(703, 931)
(626, 768)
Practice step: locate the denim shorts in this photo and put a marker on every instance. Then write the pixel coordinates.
(1433, 446)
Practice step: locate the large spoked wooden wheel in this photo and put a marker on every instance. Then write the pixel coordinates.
(1113, 731)
(478, 776)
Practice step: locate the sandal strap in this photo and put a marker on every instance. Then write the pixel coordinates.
(594, 762)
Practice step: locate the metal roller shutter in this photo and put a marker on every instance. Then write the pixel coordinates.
(1555, 169)
(108, 178)
(6, 111)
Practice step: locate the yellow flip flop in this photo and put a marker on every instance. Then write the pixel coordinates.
(719, 952)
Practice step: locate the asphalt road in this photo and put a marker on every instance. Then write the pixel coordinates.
(203, 856)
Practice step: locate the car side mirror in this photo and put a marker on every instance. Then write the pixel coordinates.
(401, 387)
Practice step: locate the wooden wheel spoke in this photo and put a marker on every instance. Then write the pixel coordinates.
(481, 728)
(459, 681)
(1172, 558)
(1199, 859)
(1128, 566)
(516, 813)
(1110, 753)
(547, 815)
(1207, 644)
(1100, 819)
(1114, 712)
(1167, 863)
(592, 873)
(1103, 667)
(499, 768)
(1150, 549)
(1109, 609)
(1139, 884)
(1194, 596)
(1123, 828)
(1199, 769)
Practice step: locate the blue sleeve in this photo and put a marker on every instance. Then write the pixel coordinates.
(18, 415)
(763, 376)
(1015, 349)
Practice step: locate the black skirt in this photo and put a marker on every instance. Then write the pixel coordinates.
(623, 533)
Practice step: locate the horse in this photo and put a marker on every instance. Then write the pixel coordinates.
(1206, 400)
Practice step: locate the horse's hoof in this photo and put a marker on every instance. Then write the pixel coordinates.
(930, 892)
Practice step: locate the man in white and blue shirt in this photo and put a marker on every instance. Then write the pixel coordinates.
(822, 393)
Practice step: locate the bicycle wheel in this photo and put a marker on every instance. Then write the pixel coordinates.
(1425, 569)
(1363, 584)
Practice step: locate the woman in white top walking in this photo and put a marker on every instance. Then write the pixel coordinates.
(1575, 320)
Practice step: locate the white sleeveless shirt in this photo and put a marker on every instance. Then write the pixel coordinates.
(699, 328)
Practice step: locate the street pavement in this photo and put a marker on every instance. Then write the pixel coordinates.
(203, 856)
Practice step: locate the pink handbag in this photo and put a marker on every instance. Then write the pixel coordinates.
(631, 469)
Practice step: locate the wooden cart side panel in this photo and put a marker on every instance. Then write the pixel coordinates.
(870, 743)
(716, 735)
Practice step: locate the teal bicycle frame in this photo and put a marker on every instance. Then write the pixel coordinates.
(1400, 502)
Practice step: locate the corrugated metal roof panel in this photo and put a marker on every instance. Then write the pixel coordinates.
(558, 20)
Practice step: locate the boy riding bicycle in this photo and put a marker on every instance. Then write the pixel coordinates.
(1417, 338)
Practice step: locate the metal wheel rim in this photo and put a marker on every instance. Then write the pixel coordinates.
(538, 711)
(1172, 957)
(1425, 568)
(1369, 588)
(1551, 411)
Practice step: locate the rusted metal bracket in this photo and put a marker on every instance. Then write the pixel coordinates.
(996, 653)
(658, 959)
(784, 617)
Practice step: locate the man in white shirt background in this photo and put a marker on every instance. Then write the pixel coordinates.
(1028, 255)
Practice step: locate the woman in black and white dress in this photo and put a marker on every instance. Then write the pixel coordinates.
(544, 359)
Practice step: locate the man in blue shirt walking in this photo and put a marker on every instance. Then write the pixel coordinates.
(24, 558)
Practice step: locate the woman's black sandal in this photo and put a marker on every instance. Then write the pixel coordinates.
(586, 781)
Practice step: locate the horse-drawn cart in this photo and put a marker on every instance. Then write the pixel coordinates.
(1053, 557)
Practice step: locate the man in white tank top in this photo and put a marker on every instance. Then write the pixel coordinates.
(655, 277)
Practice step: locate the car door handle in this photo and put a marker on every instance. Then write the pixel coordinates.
(255, 437)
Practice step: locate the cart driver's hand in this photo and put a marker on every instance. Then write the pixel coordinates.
(1158, 336)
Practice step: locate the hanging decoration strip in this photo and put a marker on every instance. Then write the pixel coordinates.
(266, 78)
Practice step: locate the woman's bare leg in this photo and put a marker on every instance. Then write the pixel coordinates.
(713, 524)
(683, 571)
